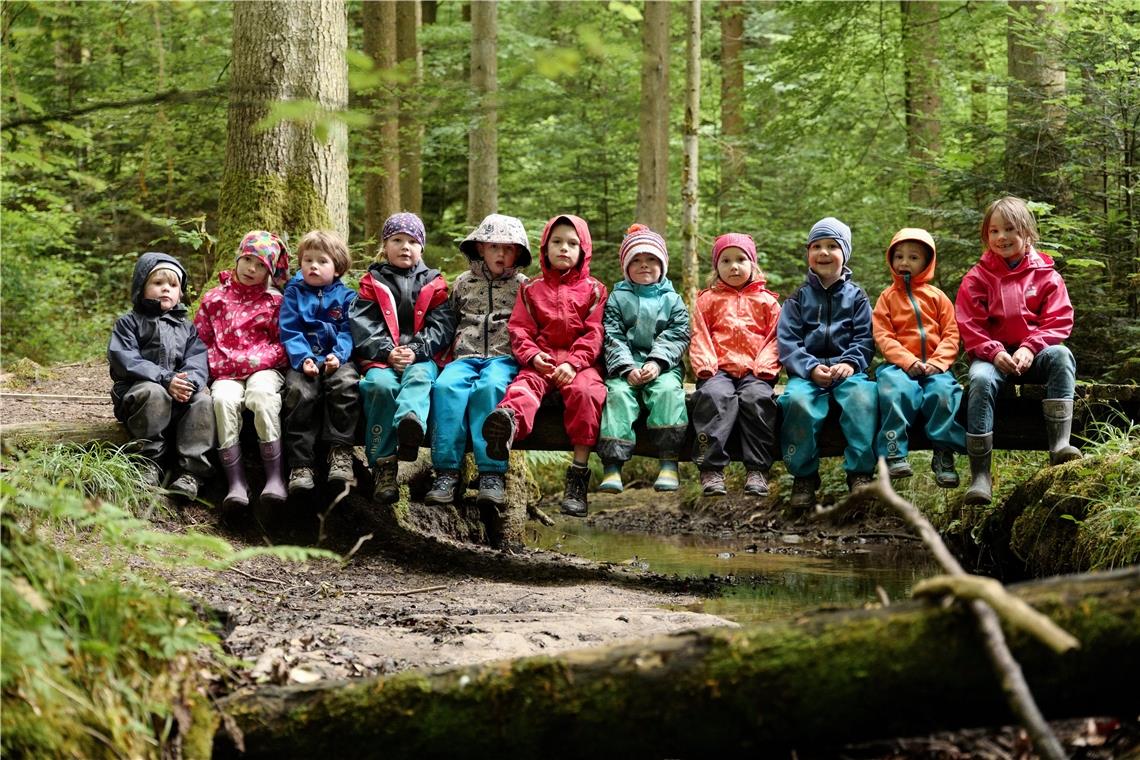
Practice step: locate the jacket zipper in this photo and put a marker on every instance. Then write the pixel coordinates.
(487, 319)
(917, 316)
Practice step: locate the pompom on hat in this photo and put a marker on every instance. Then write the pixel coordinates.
(271, 251)
(407, 223)
(641, 239)
(830, 227)
(498, 228)
(733, 240)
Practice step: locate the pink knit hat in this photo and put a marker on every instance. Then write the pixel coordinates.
(641, 239)
(733, 240)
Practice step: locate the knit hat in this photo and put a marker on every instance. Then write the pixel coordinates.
(733, 240)
(641, 239)
(407, 223)
(270, 250)
(498, 228)
(168, 267)
(830, 227)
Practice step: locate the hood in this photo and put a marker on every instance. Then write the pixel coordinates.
(498, 228)
(584, 240)
(1032, 260)
(921, 236)
(144, 266)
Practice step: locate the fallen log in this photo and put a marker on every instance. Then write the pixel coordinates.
(821, 681)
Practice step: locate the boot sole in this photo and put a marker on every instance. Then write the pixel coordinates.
(439, 501)
(574, 511)
(497, 432)
(977, 499)
(485, 502)
(409, 438)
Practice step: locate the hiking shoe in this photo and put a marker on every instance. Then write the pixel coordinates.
(384, 487)
(443, 488)
(340, 464)
(611, 479)
(499, 432)
(942, 463)
(409, 436)
(492, 490)
(301, 479)
(898, 467)
(757, 483)
(150, 473)
(574, 497)
(712, 483)
(667, 477)
(803, 492)
(186, 486)
(858, 480)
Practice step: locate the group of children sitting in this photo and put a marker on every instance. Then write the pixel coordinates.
(479, 359)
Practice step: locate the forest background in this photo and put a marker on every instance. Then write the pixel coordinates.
(115, 117)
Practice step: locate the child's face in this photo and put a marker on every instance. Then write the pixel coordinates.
(825, 258)
(318, 268)
(644, 269)
(250, 271)
(563, 248)
(403, 251)
(162, 286)
(908, 257)
(734, 267)
(499, 257)
(1004, 239)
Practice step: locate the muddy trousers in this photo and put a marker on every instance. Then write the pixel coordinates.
(465, 393)
(1054, 366)
(583, 398)
(260, 393)
(325, 407)
(389, 396)
(668, 418)
(725, 406)
(805, 406)
(903, 398)
(153, 417)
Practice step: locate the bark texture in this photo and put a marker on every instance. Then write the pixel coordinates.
(382, 178)
(483, 159)
(410, 60)
(922, 100)
(653, 146)
(731, 102)
(689, 177)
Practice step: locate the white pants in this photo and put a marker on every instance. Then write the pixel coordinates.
(261, 394)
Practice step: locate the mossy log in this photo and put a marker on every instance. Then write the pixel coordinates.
(818, 682)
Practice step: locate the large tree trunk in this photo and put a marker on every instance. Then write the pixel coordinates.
(382, 178)
(689, 179)
(922, 101)
(810, 684)
(731, 103)
(283, 178)
(483, 160)
(653, 151)
(410, 58)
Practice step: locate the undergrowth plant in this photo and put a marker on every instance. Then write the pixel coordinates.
(1109, 534)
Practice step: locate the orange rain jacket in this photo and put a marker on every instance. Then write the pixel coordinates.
(735, 330)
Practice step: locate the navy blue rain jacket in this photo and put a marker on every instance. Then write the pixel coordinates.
(825, 326)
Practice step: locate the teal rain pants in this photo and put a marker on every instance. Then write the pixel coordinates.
(805, 406)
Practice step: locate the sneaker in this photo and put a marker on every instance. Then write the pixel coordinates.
(340, 465)
(712, 483)
(942, 463)
(757, 483)
(385, 490)
(898, 467)
(611, 479)
(858, 480)
(492, 490)
(443, 488)
(409, 437)
(574, 497)
(667, 477)
(301, 479)
(186, 486)
(150, 473)
(499, 431)
(803, 492)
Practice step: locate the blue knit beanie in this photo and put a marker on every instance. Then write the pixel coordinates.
(830, 227)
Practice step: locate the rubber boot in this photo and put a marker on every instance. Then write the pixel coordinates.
(238, 495)
(574, 501)
(1058, 427)
(274, 492)
(980, 448)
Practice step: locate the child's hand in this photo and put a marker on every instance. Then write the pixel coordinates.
(181, 389)
(543, 363)
(332, 364)
(931, 369)
(563, 374)
(1005, 364)
(648, 373)
(918, 369)
(1022, 360)
(310, 368)
(841, 372)
(401, 357)
(821, 376)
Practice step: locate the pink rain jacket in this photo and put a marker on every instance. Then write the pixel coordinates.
(238, 324)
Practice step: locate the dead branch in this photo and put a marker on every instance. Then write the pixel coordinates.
(534, 513)
(408, 592)
(255, 577)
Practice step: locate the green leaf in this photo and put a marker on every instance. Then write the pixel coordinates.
(627, 10)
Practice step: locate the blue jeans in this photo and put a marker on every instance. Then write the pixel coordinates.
(388, 396)
(1054, 366)
(466, 392)
(902, 398)
(805, 407)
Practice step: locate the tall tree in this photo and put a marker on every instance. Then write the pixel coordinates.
(731, 101)
(483, 161)
(653, 158)
(382, 176)
(285, 178)
(690, 175)
(921, 99)
(409, 57)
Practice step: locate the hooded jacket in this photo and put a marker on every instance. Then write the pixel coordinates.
(913, 320)
(238, 324)
(825, 326)
(314, 321)
(400, 307)
(150, 344)
(560, 313)
(643, 323)
(482, 304)
(1001, 309)
(735, 330)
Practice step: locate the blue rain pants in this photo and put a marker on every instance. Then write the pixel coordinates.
(466, 392)
(387, 397)
(903, 398)
(805, 405)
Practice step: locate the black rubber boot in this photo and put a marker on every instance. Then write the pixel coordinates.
(1058, 428)
(980, 449)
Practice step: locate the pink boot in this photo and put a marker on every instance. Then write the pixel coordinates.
(274, 492)
(238, 495)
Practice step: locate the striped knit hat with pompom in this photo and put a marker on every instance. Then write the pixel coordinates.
(641, 239)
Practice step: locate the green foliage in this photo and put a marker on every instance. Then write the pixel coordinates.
(1109, 534)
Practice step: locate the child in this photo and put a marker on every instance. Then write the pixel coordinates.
(470, 386)
(914, 327)
(400, 324)
(646, 334)
(159, 367)
(734, 358)
(237, 321)
(321, 394)
(1013, 310)
(556, 337)
(825, 342)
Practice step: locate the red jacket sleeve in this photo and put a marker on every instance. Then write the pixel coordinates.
(1055, 320)
(587, 347)
(702, 354)
(971, 308)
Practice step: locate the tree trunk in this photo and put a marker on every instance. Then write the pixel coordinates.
(689, 179)
(382, 178)
(411, 63)
(483, 159)
(810, 684)
(653, 151)
(731, 103)
(284, 179)
(922, 101)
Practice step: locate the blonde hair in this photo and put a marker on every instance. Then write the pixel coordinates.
(326, 242)
(1016, 212)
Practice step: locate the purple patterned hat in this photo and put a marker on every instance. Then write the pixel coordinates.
(407, 223)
